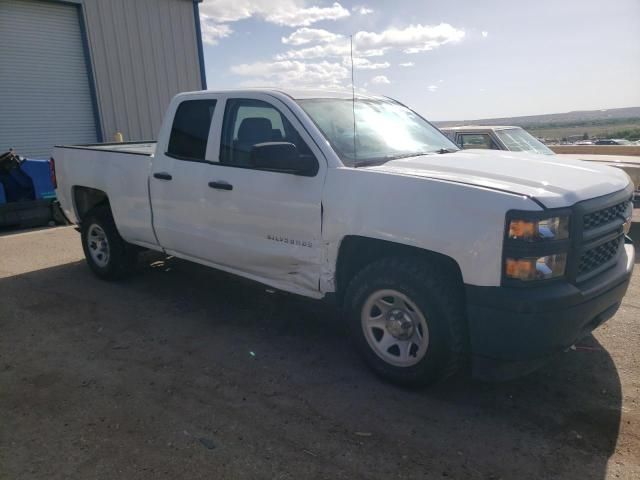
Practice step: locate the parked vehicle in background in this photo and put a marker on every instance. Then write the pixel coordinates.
(435, 254)
(612, 141)
(516, 139)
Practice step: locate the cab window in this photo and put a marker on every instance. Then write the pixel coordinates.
(190, 130)
(249, 122)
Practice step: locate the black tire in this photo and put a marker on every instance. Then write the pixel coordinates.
(436, 290)
(57, 214)
(122, 256)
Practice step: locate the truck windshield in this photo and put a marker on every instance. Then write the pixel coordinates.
(384, 130)
(519, 140)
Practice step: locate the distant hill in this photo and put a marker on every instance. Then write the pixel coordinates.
(613, 122)
(579, 116)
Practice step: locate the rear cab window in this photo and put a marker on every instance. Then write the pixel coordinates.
(190, 130)
(477, 140)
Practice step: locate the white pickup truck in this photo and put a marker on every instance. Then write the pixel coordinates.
(436, 255)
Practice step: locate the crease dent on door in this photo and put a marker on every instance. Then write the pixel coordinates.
(327, 279)
(290, 261)
(153, 227)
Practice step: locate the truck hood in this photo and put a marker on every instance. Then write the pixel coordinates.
(555, 182)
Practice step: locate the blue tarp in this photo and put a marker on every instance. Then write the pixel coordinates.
(39, 172)
(32, 181)
(18, 187)
(26, 194)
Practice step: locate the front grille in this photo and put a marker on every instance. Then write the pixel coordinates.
(597, 235)
(602, 217)
(597, 256)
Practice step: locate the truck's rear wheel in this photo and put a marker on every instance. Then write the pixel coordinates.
(406, 317)
(107, 254)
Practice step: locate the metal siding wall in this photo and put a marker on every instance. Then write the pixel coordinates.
(45, 96)
(143, 53)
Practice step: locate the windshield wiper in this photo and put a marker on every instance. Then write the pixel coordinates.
(445, 150)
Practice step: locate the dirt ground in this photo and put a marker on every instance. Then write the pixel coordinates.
(184, 372)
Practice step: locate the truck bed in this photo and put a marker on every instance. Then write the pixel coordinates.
(121, 172)
(136, 148)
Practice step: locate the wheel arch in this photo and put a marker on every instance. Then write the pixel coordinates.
(87, 198)
(355, 252)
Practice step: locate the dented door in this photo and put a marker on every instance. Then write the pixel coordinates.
(267, 224)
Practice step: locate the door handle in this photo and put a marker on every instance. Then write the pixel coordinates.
(221, 185)
(162, 176)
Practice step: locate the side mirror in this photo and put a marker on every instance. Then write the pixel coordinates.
(281, 157)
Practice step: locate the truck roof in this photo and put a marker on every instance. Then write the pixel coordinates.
(297, 94)
(480, 127)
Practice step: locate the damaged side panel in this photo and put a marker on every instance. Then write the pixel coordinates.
(328, 267)
(326, 280)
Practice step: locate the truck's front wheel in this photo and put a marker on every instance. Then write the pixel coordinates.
(107, 254)
(406, 317)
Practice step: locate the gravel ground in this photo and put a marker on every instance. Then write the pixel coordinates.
(184, 372)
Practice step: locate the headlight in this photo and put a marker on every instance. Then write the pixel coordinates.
(536, 248)
(554, 228)
(536, 268)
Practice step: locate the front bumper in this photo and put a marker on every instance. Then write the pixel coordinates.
(515, 330)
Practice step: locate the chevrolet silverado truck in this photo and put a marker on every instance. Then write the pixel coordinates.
(436, 255)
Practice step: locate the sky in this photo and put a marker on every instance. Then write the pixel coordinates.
(448, 60)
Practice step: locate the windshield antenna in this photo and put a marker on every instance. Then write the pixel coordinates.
(353, 103)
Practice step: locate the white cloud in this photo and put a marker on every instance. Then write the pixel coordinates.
(485, 34)
(310, 35)
(362, 10)
(338, 48)
(303, 17)
(412, 39)
(380, 80)
(432, 88)
(334, 49)
(322, 58)
(364, 64)
(233, 10)
(293, 73)
(212, 32)
(292, 13)
(422, 48)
